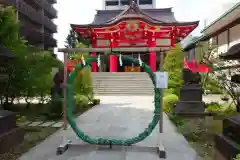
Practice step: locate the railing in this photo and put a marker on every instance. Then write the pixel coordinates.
(39, 2)
(34, 36)
(49, 40)
(50, 9)
(52, 1)
(30, 12)
(50, 25)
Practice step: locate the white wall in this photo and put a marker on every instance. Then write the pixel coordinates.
(223, 42)
(222, 39)
(234, 35)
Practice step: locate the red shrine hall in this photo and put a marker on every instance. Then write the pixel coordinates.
(133, 27)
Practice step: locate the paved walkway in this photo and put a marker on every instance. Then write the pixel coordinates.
(116, 117)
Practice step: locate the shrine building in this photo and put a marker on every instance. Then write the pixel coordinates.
(132, 23)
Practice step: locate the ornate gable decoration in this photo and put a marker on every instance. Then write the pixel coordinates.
(134, 11)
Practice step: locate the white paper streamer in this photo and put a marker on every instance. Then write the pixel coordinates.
(139, 59)
(98, 61)
(83, 60)
(120, 60)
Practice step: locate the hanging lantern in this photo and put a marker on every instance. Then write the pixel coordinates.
(98, 60)
(120, 60)
(83, 60)
(139, 60)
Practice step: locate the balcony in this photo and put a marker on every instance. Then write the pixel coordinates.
(50, 25)
(52, 12)
(49, 41)
(34, 36)
(52, 1)
(30, 12)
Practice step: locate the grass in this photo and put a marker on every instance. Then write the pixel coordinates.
(33, 136)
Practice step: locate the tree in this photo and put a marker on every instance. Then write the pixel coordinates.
(83, 82)
(71, 39)
(222, 71)
(173, 64)
(30, 69)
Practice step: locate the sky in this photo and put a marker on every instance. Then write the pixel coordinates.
(83, 11)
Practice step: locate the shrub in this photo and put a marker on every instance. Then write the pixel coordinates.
(225, 97)
(168, 102)
(173, 64)
(81, 101)
(20, 118)
(168, 91)
(213, 107)
(96, 101)
(55, 109)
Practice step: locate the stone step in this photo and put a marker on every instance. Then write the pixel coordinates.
(122, 79)
(42, 124)
(117, 94)
(123, 85)
(111, 92)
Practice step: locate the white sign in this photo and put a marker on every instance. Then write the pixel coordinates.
(161, 79)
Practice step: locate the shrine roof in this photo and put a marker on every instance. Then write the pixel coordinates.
(163, 16)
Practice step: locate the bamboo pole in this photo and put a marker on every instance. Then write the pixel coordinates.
(161, 96)
(109, 50)
(65, 92)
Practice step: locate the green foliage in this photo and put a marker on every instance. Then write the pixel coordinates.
(83, 82)
(212, 85)
(96, 101)
(81, 101)
(237, 157)
(173, 64)
(30, 70)
(55, 109)
(168, 102)
(71, 39)
(213, 107)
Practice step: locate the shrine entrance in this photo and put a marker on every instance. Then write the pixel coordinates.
(133, 28)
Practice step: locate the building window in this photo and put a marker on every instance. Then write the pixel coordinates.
(112, 3)
(125, 2)
(145, 2)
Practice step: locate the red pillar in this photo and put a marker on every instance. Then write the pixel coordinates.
(152, 57)
(173, 41)
(94, 64)
(94, 54)
(113, 63)
(113, 60)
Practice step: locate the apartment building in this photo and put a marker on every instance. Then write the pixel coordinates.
(36, 19)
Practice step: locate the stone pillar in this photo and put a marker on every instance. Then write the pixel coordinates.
(94, 64)
(113, 60)
(190, 103)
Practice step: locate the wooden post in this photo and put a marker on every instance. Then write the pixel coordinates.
(65, 92)
(161, 95)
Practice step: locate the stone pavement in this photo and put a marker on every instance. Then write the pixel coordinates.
(116, 117)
